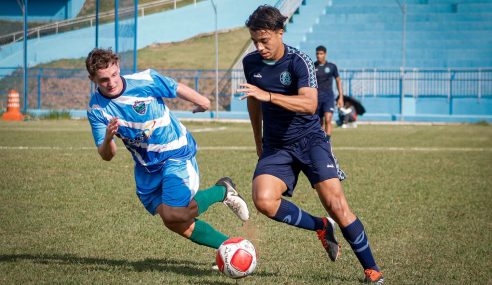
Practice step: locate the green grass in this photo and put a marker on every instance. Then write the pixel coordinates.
(195, 53)
(56, 115)
(69, 217)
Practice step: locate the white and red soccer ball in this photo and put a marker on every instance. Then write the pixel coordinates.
(236, 258)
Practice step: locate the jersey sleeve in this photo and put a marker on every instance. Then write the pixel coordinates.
(98, 127)
(246, 70)
(335, 71)
(164, 86)
(304, 71)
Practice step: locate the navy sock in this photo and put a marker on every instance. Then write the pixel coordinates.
(357, 238)
(290, 214)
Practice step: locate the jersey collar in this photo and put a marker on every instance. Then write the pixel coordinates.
(121, 93)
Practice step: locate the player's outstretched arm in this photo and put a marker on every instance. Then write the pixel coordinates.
(186, 93)
(107, 150)
(304, 102)
(255, 116)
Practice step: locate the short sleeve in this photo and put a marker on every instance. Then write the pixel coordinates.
(98, 127)
(164, 86)
(304, 71)
(335, 71)
(246, 71)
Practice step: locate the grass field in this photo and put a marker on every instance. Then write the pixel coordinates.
(423, 192)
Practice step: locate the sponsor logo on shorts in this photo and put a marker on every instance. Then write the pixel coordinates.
(330, 166)
(257, 75)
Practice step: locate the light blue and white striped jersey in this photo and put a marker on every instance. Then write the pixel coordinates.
(146, 126)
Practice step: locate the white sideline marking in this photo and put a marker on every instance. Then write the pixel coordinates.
(250, 148)
(203, 130)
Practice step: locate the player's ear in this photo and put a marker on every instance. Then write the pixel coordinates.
(280, 32)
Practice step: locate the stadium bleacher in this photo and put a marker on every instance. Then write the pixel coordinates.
(368, 33)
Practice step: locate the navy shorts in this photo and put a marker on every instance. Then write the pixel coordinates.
(326, 103)
(312, 155)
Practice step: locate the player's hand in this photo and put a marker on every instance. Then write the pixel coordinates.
(340, 102)
(252, 91)
(199, 109)
(201, 105)
(112, 128)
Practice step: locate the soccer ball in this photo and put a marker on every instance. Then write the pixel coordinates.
(236, 258)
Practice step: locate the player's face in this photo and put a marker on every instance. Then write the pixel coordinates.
(321, 56)
(108, 80)
(268, 43)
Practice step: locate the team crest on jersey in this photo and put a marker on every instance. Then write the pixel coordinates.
(140, 107)
(327, 69)
(285, 78)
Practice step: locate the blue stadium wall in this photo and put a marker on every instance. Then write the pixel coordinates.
(39, 11)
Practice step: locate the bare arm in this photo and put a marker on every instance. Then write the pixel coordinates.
(340, 92)
(255, 116)
(186, 93)
(304, 102)
(107, 150)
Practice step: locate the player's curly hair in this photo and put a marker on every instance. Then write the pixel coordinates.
(100, 59)
(266, 17)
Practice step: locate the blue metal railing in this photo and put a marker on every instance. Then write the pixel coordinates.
(70, 88)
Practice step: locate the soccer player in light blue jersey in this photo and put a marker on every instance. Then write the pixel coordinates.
(131, 108)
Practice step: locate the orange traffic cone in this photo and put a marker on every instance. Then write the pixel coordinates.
(13, 107)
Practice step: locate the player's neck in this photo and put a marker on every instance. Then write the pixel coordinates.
(322, 62)
(280, 53)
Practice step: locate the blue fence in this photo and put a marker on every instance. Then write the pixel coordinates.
(450, 95)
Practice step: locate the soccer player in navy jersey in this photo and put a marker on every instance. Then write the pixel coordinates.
(132, 108)
(326, 72)
(282, 97)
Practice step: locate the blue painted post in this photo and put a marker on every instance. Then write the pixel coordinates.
(25, 55)
(40, 71)
(402, 95)
(116, 25)
(450, 90)
(197, 80)
(135, 38)
(97, 23)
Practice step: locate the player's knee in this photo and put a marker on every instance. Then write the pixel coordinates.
(265, 204)
(171, 217)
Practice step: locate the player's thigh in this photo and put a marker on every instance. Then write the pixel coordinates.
(181, 181)
(149, 189)
(321, 108)
(317, 160)
(276, 171)
(328, 116)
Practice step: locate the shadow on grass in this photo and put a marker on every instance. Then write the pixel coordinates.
(184, 267)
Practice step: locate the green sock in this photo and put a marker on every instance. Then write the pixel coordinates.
(206, 235)
(206, 198)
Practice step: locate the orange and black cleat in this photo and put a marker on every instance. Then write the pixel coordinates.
(373, 277)
(328, 239)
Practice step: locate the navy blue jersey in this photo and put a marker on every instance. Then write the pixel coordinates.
(285, 76)
(325, 73)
